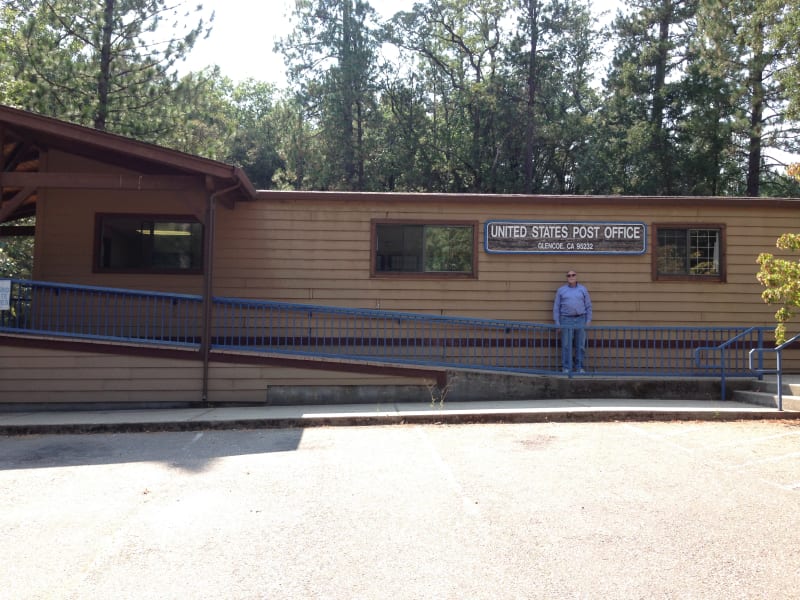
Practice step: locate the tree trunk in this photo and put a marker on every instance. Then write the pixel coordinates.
(756, 114)
(659, 84)
(530, 108)
(104, 75)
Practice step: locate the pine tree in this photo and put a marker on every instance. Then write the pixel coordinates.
(331, 55)
(101, 63)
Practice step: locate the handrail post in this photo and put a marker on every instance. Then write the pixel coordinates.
(780, 380)
(778, 371)
(722, 373)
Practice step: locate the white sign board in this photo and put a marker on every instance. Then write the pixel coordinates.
(5, 294)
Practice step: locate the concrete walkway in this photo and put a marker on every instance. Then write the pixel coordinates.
(255, 417)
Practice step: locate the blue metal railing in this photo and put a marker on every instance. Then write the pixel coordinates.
(375, 335)
(65, 310)
(778, 370)
(364, 335)
(747, 339)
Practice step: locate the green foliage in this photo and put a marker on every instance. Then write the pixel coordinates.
(486, 96)
(297, 147)
(204, 116)
(332, 55)
(784, 35)
(737, 43)
(16, 254)
(455, 43)
(495, 95)
(781, 277)
(101, 63)
(255, 141)
(645, 90)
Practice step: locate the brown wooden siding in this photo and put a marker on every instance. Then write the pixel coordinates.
(43, 375)
(65, 223)
(314, 248)
(33, 374)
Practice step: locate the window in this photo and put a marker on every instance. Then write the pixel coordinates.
(691, 252)
(430, 248)
(149, 244)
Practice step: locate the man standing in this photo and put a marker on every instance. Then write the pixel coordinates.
(572, 311)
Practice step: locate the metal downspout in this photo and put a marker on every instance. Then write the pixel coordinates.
(208, 276)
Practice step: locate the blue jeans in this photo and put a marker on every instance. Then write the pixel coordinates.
(573, 337)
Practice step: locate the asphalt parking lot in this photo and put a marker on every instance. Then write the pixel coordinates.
(542, 510)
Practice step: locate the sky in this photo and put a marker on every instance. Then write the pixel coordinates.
(245, 31)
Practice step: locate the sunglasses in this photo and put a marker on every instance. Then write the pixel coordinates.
(572, 274)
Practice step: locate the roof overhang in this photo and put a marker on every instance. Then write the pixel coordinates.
(24, 136)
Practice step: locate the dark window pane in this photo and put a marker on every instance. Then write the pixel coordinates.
(672, 251)
(410, 248)
(399, 248)
(176, 245)
(137, 243)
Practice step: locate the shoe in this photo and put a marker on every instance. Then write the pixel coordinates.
(581, 371)
(565, 370)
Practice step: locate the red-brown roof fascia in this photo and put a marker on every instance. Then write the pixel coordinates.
(549, 199)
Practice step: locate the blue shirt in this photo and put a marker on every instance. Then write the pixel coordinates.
(572, 302)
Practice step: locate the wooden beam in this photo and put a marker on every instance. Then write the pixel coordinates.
(17, 230)
(92, 181)
(7, 208)
(16, 156)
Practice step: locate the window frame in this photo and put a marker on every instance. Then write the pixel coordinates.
(721, 277)
(375, 273)
(169, 218)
